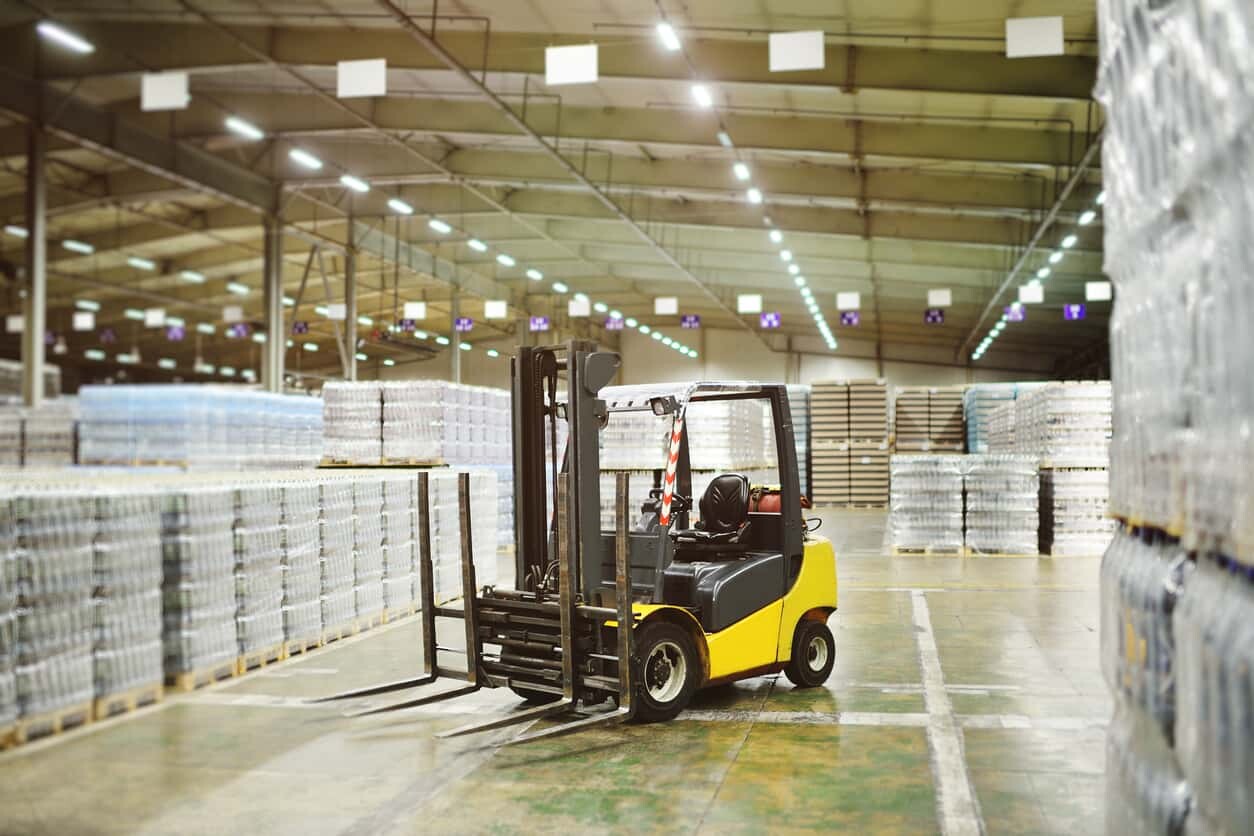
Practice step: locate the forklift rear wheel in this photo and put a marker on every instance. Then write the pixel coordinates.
(813, 655)
(668, 671)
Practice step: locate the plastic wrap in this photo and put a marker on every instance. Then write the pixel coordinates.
(1074, 512)
(302, 560)
(128, 580)
(259, 566)
(1002, 496)
(368, 547)
(1145, 790)
(352, 422)
(925, 505)
(199, 578)
(400, 525)
(336, 535)
(8, 611)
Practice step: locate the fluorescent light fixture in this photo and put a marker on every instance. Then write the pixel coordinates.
(667, 341)
(615, 314)
(789, 51)
(441, 340)
(793, 270)
(560, 287)
(288, 301)
(693, 354)
(776, 236)
(365, 320)
(388, 361)
(309, 346)
(666, 33)
(81, 247)
(1069, 242)
(495, 309)
(749, 303)
(1101, 198)
(204, 327)
(16, 231)
(600, 307)
(355, 183)
(1087, 217)
(465, 346)
(128, 359)
(134, 313)
(570, 64)
(87, 304)
(741, 171)
(64, 37)
(1055, 257)
(238, 288)
(534, 274)
(477, 245)
(805, 291)
(785, 255)
(361, 357)
(724, 139)
(1043, 273)
(505, 260)
(657, 335)
(321, 310)
(226, 371)
(399, 206)
(192, 276)
(999, 327)
(582, 297)
(645, 329)
(420, 335)
(303, 157)
(492, 352)
(631, 322)
(439, 226)
(701, 94)
(141, 263)
(94, 354)
(167, 363)
(247, 130)
(799, 281)
(754, 195)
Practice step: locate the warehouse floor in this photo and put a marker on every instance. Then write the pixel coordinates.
(965, 692)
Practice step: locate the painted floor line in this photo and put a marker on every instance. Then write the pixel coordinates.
(957, 807)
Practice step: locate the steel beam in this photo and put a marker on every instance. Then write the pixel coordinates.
(276, 335)
(455, 338)
(36, 279)
(350, 324)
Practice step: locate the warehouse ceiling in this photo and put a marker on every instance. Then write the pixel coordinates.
(919, 158)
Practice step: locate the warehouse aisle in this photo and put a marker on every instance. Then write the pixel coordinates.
(966, 691)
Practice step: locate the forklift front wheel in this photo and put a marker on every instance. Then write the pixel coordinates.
(668, 671)
(813, 655)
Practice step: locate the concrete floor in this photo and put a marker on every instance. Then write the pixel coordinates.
(966, 695)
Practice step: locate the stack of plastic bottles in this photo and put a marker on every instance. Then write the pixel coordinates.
(198, 426)
(1177, 84)
(259, 566)
(400, 526)
(978, 403)
(8, 611)
(368, 534)
(56, 579)
(302, 561)
(1065, 424)
(1001, 429)
(925, 504)
(336, 527)
(42, 436)
(446, 531)
(351, 419)
(11, 379)
(1075, 516)
(1002, 492)
(199, 580)
(128, 578)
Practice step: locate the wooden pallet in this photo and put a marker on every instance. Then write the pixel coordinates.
(202, 677)
(369, 622)
(929, 551)
(384, 463)
(260, 658)
(295, 646)
(344, 631)
(53, 722)
(391, 614)
(125, 702)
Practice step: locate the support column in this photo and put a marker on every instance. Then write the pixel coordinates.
(36, 285)
(455, 339)
(350, 306)
(276, 334)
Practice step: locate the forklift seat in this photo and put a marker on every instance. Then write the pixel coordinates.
(724, 513)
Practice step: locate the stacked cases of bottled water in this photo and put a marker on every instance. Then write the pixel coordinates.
(1001, 428)
(128, 569)
(258, 528)
(1177, 82)
(202, 426)
(302, 563)
(400, 542)
(979, 401)
(925, 503)
(446, 531)
(338, 567)
(1002, 493)
(368, 548)
(199, 579)
(352, 418)
(55, 612)
(11, 379)
(41, 436)
(8, 613)
(1067, 427)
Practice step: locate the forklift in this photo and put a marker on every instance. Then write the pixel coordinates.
(686, 597)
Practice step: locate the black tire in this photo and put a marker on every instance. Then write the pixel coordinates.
(531, 696)
(813, 654)
(668, 672)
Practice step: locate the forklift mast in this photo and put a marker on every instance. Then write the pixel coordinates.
(551, 384)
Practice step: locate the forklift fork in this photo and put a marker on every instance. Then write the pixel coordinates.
(432, 671)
